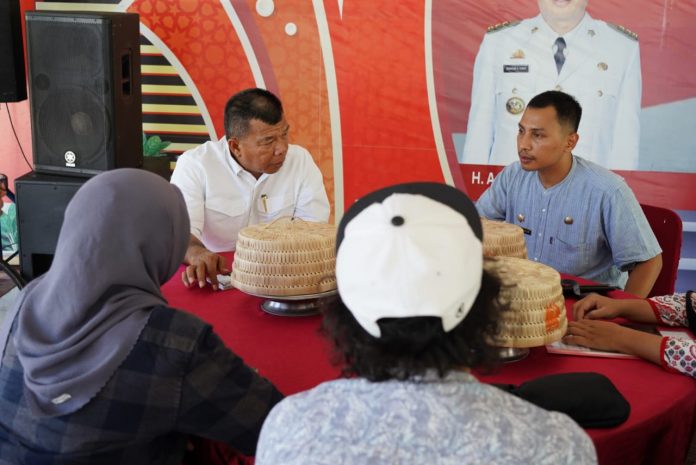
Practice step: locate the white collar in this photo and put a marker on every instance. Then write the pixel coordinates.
(569, 36)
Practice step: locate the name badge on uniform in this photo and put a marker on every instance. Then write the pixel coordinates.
(515, 68)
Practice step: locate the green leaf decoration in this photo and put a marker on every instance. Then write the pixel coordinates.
(153, 146)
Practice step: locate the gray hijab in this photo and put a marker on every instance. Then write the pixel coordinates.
(125, 233)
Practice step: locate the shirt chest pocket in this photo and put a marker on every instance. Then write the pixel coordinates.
(221, 209)
(571, 248)
(272, 206)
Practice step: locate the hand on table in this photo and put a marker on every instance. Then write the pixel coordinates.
(203, 265)
(605, 335)
(600, 335)
(596, 306)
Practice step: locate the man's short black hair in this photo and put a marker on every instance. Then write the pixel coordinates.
(250, 104)
(568, 110)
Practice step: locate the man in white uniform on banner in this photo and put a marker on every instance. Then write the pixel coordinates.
(563, 48)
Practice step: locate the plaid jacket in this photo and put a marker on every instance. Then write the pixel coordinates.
(179, 380)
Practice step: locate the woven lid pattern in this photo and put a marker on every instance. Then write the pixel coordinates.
(503, 239)
(287, 257)
(537, 313)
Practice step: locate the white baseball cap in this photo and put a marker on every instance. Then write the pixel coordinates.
(410, 250)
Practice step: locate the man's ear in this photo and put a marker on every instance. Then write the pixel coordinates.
(233, 144)
(572, 141)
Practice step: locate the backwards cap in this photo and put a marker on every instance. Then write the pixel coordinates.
(410, 250)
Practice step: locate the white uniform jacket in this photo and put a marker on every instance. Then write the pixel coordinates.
(601, 70)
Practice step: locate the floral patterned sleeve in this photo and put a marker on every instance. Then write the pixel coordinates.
(671, 309)
(678, 354)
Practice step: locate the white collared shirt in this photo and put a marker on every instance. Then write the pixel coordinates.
(222, 198)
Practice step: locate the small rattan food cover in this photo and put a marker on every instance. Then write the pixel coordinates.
(537, 313)
(503, 239)
(287, 257)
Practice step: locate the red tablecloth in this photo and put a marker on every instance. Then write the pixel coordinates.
(291, 353)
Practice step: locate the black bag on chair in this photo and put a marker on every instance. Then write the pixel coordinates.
(590, 399)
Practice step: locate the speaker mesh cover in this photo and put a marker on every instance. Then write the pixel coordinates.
(74, 120)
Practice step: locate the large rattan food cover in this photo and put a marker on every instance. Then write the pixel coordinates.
(537, 313)
(503, 239)
(287, 257)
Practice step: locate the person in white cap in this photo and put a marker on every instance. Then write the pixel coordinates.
(417, 311)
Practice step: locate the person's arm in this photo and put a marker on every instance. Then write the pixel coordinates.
(625, 139)
(671, 309)
(605, 335)
(222, 398)
(201, 264)
(493, 202)
(596, 306)
(634, 247)
(676, 355)
(190, 178)
(481, 124)
(312, 201)
(672, 353)
(643, 276)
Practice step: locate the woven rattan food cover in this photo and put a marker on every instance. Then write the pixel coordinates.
(537, 313)
(503, 239)
(287, 257)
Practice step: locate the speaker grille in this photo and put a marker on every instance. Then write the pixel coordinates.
(72, 52)
(75, 120)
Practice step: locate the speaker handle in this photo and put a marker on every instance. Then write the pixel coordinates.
(126, 72)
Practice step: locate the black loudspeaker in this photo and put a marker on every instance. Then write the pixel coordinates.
(84, 90)
(13, 86)
(41, 203)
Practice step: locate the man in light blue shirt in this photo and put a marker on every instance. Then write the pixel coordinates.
(578, 217)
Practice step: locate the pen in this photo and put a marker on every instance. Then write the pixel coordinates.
(264, 197)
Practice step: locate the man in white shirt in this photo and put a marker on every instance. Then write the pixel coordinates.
(251, 175)
(563, 48)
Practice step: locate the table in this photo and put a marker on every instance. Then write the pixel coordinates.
(295, 357)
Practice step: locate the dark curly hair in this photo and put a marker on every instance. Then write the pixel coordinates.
(409, 347)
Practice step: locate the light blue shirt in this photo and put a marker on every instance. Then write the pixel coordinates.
(588, 225)
(453, 421)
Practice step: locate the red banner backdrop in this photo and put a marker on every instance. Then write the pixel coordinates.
(378, 91)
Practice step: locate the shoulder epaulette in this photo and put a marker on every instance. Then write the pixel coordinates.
(501, 26)
(627, 32)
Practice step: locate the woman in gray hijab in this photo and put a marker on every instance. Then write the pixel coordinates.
(95, 367)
